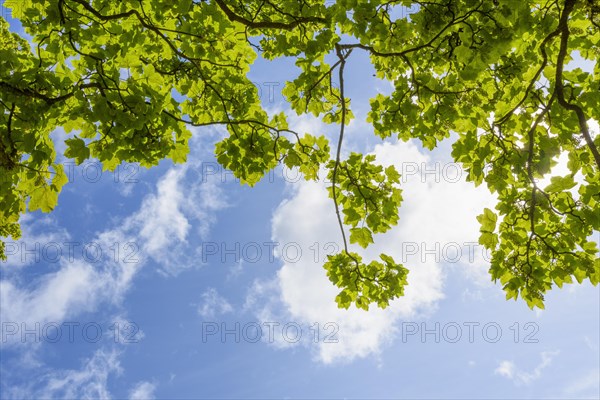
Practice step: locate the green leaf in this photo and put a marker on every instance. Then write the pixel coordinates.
(77, 150)
(133, 95)
(362, 236)
(560, 184)
(43, 198)
(487, 220)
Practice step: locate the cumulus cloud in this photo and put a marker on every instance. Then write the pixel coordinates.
(436, 218)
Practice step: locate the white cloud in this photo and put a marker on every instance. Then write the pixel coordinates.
(591, 344)
(90, 382)
(77, 285)
(585, 386)
(33, 246)
(236, 269)
(143, 391)
(158, 231)
(57, 295)
(506, 369)
(509, 369)
(213, 304)
(161, 219)
(162, 225)
(433, 215)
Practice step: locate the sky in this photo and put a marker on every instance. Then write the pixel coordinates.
(178, 282)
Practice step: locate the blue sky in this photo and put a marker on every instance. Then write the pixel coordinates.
(174, 268)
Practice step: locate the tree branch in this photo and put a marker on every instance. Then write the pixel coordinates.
(267, 24)
(342, 58)
(564, 39)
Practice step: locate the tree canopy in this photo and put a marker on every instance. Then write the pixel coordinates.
(129, 78)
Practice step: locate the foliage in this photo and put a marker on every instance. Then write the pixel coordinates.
(129, 78)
